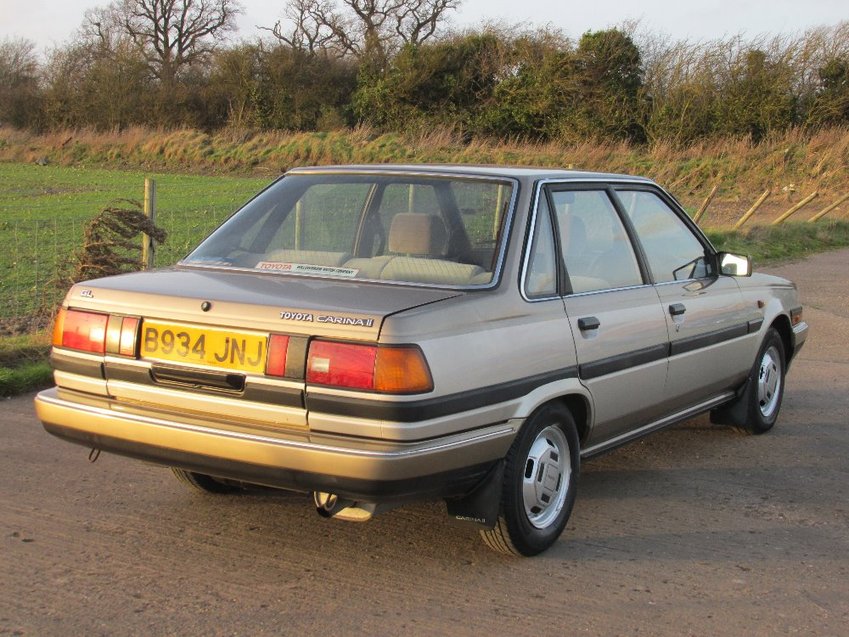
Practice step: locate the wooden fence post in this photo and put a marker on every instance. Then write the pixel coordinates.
(150, 212)
(751, 211)
(705, 204)
(796, 208)
(828, 209)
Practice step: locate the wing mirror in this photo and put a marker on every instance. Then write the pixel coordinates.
(734, 264)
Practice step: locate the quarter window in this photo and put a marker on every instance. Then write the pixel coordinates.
(541, 276)
(593, 241)
(672, 250)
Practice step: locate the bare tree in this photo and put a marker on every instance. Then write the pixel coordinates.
(311, 26)
(171, 34)
(18, 82)
(370, 30)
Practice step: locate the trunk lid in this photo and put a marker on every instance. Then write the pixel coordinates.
(262, 302)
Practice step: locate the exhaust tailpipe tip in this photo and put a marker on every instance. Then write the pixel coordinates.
(328, 504)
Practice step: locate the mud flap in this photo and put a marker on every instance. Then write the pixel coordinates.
(736, 412)
(480, 507)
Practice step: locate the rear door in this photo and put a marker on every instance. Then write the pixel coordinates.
(616, 320)
(711, 331)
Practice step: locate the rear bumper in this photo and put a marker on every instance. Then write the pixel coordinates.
(356, 468)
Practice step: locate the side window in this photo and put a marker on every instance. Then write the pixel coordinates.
(596, 248)
(541, 275)
(673, 251)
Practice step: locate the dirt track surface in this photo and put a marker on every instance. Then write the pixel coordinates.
(696, 530)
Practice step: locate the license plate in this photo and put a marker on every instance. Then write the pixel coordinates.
(242, 351)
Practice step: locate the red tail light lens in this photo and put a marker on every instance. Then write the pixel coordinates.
(278, 350)
(83, 331)
(392, 370)
(341, 365)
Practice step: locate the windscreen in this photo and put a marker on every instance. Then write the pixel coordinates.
(399, 228)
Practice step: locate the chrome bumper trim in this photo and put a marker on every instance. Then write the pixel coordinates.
(399, 460)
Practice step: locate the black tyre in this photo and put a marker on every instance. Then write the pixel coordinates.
(203, 482)
(766, 386)
(540, 479)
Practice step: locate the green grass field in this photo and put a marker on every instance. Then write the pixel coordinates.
(44, 209)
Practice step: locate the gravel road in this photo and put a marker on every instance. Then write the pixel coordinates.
(696, 530)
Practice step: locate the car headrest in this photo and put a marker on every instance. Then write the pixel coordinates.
(417, 234)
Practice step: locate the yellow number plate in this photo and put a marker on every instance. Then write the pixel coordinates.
(242, 351)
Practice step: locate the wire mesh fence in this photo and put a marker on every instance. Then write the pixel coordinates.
(44, 212)
(42, 228)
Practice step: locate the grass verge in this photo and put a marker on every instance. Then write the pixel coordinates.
(798, 159)
(23, 363)
(769, 244)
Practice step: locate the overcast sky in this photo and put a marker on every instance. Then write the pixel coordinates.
(48, 22)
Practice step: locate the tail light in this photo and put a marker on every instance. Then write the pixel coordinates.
(83, 331)
(385, 369)
(278, 351)
(95, 332)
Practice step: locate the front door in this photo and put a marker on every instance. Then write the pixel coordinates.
(712, 341)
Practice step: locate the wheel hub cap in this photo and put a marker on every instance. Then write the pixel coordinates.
(548, 471)
(769, 382)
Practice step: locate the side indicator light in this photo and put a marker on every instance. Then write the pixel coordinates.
(59, 327)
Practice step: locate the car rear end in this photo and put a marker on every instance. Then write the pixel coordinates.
(181, 381)
(264, 356)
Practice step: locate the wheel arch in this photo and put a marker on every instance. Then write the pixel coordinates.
(568, 393)
(781, 324)
(581, 411)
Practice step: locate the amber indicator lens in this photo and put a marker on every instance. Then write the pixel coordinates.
(401, 370)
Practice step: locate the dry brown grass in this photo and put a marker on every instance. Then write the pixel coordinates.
(791, 165)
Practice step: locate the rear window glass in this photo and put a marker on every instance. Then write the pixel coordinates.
(408, 229)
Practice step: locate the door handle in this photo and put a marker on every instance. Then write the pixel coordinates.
(588, 323)
(677, 309)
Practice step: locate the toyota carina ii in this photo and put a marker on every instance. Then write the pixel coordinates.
(379, 334)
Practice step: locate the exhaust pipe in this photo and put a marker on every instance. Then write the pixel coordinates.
(329, 505)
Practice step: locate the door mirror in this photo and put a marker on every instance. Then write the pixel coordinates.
(734, 264)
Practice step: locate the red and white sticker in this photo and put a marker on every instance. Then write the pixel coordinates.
(306, 268)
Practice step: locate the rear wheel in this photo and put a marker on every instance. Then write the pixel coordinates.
(539, 486)
(203, 482)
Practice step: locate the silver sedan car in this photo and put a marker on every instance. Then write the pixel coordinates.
(379, 334)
